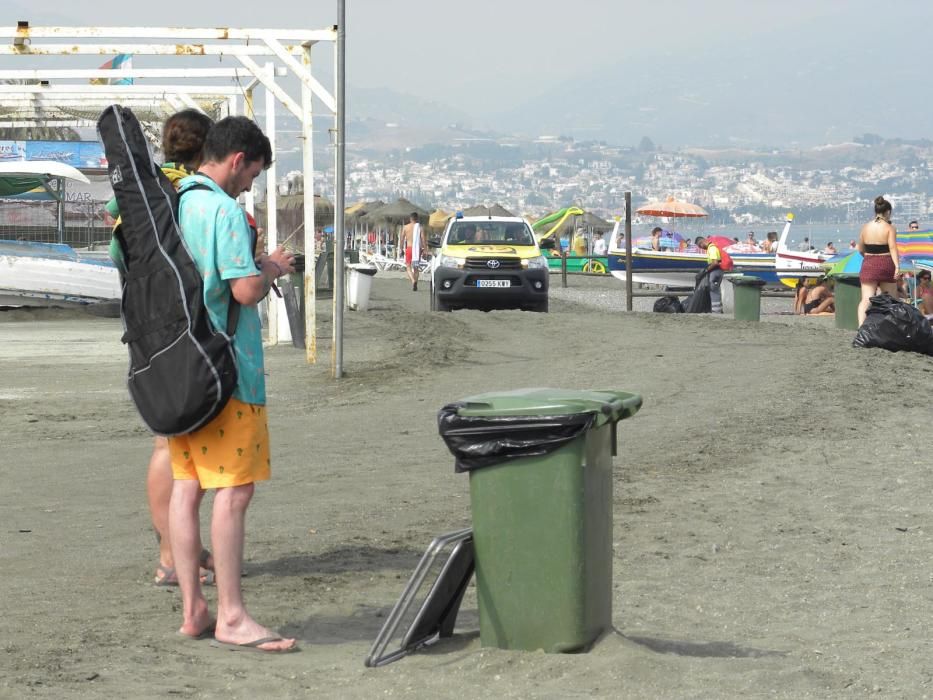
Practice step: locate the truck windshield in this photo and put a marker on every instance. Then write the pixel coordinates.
(490, 233)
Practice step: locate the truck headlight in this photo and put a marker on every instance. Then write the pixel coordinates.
(539, 262)
(451, 261)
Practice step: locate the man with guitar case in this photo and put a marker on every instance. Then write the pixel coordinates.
(190, 270)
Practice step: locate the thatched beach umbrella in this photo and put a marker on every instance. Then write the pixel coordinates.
(357, 211)
(494, 210)
(594, 223)
(291, 215)
(387, 221)
(395, 213)
(438, 219)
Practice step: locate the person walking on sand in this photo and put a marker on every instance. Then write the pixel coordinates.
(183, 136)
(231, 453)
(877, 241)
(413, 242)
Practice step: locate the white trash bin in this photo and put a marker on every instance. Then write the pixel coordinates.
(359, 284)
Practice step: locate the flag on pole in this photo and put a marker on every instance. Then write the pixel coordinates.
(122, 61)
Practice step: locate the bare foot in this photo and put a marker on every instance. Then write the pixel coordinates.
(247, 630)
(199, 623)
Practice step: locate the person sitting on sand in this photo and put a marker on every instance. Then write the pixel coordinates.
(902, 291)
(817, 299)
(926, 302)
(923, 282)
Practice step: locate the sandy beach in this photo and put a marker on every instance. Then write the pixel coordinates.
(772, 526)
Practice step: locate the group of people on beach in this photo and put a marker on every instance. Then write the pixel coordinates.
(880, 272)
(223, 158)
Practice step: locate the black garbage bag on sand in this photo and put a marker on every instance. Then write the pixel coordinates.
(668, 305)
(895, 326)
(699, 302)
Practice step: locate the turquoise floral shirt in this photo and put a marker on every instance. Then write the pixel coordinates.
(215, 229)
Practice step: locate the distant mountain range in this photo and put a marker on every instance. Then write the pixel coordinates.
(802, 90)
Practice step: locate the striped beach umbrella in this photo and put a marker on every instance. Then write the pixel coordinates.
(915, 245)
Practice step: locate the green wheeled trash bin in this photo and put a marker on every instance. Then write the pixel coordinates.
(848, 293)
(747, 291)
(540, 466)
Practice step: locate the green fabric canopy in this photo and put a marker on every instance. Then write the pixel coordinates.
(11, 185)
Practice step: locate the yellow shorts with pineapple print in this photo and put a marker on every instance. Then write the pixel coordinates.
(231, 450)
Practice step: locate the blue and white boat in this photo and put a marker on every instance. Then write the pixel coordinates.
(679, 268)
(50, 274)
(53, 274)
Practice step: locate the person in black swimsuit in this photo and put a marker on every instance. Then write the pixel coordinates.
(817, 299)
(878, 243)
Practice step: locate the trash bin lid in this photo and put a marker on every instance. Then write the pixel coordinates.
(614, 405)
(363, 268)
(746, 281)
(492, 428)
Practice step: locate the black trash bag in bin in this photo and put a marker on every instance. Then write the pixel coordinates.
(895, 326)
(484, 441)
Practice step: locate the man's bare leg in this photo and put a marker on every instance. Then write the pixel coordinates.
(184, 529)
(234, 625)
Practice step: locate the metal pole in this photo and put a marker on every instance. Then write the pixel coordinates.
(563, 267)
(276, 309)
(307, 160)
(628, 251)
(61, 210)
(339, 207)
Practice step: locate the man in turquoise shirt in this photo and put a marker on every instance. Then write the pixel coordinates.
(231, 452)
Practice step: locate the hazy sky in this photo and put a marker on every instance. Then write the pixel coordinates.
(482, 55)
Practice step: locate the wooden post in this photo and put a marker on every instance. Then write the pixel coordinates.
(628, 251)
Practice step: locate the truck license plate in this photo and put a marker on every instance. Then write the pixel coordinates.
(492, 283)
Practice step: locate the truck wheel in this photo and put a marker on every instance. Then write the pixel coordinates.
(541, 307)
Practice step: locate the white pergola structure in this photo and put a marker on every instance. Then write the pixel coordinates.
(34, 96)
